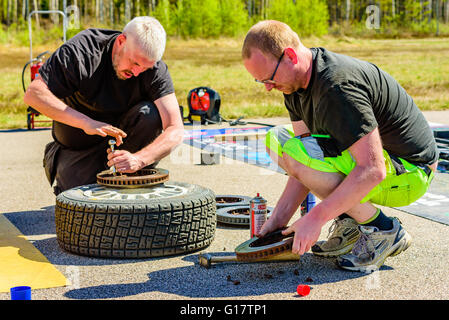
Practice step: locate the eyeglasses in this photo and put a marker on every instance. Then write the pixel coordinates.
(271, 81)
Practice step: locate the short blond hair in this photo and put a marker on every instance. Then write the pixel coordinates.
(270, 37)
(148, 34)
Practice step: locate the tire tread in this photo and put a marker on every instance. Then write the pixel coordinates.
(136, 230)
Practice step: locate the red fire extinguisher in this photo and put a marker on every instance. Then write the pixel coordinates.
(35, 65)
(34, 70)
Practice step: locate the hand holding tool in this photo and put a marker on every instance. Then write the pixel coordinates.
(112, 143)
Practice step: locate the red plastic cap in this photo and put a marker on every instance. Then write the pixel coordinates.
(303, 289)
(258, 194)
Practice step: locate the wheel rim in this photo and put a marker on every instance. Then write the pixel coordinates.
(159, 191)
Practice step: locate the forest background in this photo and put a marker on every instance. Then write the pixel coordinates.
(407, 38)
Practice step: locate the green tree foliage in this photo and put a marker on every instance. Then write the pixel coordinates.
(306, 17)
(214, 18)
(285, 11)
(164, 14)
(313, 17)
(197, 18)
(234, 18)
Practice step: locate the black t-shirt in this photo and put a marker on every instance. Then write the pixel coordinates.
(80, 73)
(347, 98)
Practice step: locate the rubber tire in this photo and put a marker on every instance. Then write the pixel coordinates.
(239, 200)
(117, 228)
(223, 216)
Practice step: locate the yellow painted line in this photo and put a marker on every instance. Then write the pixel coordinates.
(21, 264)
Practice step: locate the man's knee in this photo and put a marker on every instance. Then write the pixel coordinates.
(275, 139)
(143, 115)
(142, 124)
(291, 166)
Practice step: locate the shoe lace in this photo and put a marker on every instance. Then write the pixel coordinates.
(364, 245)
(333, 227)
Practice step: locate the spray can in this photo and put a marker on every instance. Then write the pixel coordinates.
(257, 214)
(308, 203)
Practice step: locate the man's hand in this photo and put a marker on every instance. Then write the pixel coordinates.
(307, 231)
(286, 207)
(270, 225)
(124, 161)
(103, 129)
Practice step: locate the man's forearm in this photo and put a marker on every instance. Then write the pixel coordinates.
(40, 98)
(292, 196)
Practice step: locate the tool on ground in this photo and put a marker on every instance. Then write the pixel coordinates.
(239, 121)
(206, 259)
(274, 247)
(257, 214)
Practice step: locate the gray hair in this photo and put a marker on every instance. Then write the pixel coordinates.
(148, 34)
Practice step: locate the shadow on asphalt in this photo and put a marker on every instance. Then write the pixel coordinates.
(226, 280)
(39, 227)
(222, 280)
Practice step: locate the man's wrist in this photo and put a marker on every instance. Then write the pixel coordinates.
(317, 214)
(142, 160)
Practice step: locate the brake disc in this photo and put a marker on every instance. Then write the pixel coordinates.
(138, 179)
(273, 244)
(231, 200)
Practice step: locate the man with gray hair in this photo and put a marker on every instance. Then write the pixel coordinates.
(106, 83)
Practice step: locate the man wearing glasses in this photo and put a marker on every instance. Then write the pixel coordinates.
(356, 139)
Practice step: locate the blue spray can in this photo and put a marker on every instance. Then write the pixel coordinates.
(308, 203)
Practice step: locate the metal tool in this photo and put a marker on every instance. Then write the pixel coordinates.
(272, 247)
(112, 143)
(206, 259)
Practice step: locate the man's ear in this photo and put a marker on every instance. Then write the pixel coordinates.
(121, 38)
(291, 54)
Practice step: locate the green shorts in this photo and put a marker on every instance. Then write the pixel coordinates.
(399, 188)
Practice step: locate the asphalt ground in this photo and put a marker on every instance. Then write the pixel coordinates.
(420, 273)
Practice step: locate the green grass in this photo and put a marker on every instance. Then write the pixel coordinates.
(420, 65)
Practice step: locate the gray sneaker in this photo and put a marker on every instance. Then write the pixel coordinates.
(341, 238)
(374, 246)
